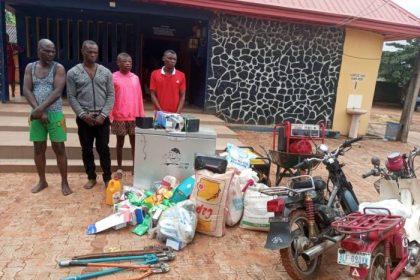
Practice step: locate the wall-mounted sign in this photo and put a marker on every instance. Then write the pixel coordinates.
(163, 30)
(357, 77)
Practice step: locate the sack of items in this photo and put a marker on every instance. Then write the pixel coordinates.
(255, 209)
(209, 195)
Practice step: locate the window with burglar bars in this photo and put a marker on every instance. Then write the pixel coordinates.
(69, 34)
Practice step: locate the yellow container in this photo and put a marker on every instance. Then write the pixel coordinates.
(113, 191)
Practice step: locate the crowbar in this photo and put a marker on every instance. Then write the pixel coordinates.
(146, 250)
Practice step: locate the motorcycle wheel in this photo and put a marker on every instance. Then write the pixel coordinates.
(377, 269)
(294, 264)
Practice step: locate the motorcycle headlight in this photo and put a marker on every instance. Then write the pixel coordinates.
(323, 148)
(313, 194)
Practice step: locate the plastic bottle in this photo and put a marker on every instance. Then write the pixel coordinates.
(113, 190)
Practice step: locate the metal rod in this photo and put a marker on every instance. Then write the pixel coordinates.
(148, 250)
(121, 265)
(65, 263)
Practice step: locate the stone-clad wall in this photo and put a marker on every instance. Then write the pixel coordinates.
(265, 72)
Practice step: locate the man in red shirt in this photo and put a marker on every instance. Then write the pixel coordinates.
(167, 85)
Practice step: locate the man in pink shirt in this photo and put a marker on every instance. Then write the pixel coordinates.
(128, 104)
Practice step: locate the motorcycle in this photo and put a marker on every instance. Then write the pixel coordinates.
(304, 210)
(376, 246)
(397, 166)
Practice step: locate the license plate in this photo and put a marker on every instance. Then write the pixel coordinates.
(359, 259)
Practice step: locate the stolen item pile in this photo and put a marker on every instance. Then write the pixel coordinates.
(124, 213)
(226, 197)
(177, 224)
(142, 208)
(176, 123)
(169, 121)
(243, 157)
(165, 211)
(222, 192)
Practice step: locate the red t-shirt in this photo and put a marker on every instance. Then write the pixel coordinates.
(167, 89)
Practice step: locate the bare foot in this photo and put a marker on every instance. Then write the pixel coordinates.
(39, 187)
(65, 189)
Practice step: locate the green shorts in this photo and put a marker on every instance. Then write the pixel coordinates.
(56, 128)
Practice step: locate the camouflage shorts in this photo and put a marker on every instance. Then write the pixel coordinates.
(123, 128)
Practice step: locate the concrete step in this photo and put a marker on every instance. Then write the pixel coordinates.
(20, 123)
(20, 159)
(23, 113)
(148, 106)
(74, 165)
(20, 102)
(16, 145)
(10, 152)
(16, 151)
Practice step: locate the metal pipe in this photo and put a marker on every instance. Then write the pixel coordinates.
(317, 250)
(148, 250)
(65, 263)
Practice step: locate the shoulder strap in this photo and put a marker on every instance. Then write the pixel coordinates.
(33, 67)
(54, 69)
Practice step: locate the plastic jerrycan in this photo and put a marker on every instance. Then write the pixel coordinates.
(114, 187)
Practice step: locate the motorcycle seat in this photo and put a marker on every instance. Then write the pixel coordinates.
(305, 184)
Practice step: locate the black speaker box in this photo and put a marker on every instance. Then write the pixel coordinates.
(215, 164)
(191, 124)
(144, 122)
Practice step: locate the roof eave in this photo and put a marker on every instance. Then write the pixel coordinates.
(390, 31)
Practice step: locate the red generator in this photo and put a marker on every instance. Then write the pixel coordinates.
(292, 143)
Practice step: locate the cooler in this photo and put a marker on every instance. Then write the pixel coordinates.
(159, 153)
